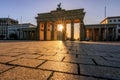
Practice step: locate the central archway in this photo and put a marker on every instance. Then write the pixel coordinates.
(60, 32)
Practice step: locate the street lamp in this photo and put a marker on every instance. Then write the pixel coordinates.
(106, 31)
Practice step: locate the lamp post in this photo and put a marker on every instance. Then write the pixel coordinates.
(106, 30)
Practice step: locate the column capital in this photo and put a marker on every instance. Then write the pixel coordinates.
(81, 21)
(72, 20)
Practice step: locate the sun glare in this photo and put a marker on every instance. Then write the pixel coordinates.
(60, 27)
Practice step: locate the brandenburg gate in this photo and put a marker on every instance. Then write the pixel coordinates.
(47, 23)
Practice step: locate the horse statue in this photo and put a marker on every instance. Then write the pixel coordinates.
(59, 5)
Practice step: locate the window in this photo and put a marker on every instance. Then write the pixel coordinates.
(118, 30)
(119, 20)
(114, 20)
(119, 25)
(110, 20)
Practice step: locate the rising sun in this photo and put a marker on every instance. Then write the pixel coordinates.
(60, 27)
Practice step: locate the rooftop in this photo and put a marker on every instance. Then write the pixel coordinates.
(110, 18)
(8, 19)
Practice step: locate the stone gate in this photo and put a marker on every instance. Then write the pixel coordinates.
(47, 23)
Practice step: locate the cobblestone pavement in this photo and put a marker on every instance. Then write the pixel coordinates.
(57, 60)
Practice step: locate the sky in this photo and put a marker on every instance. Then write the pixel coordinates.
(29, 9)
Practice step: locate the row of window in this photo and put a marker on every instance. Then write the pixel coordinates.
(1, 28)
(114, 20)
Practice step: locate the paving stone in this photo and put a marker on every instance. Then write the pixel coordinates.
(20, 73)
(29, 56)
(62, 51)
(10, 54)
(84, 56)
(98, 71)
(27, 62)
(81, 53)
(48, 54)
(101, 61)
(29, 52)
(105, 54)
(97, 53)
(54, 58)
(72, 52)
(4, 67)
(63, 76)
(5, 59)
(66, 55)
(60, 66)
(116, 55)
(78, 60)
(112, 58)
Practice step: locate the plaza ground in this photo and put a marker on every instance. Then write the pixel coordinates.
(57, 60)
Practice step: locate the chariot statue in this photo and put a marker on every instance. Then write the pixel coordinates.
(59, 5)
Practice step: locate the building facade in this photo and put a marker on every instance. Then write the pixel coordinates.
(111, 20)
(21, 31)
(97, 32)
(10, 29)
(108, 29)
(4, 23)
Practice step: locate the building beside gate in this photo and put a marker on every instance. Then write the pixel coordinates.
(108, 29)
(25, 31)
(11, 29)
(4, 23)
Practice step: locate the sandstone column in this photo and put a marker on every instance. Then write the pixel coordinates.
(64, 31)
(82, 31)
(45, 31)
(72, 30)
(113, 34)
(99, 34)
(53, 31)
(23, 35)
(38, 30)
(93, 34)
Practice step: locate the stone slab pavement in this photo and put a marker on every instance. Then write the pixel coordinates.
(57, 60)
